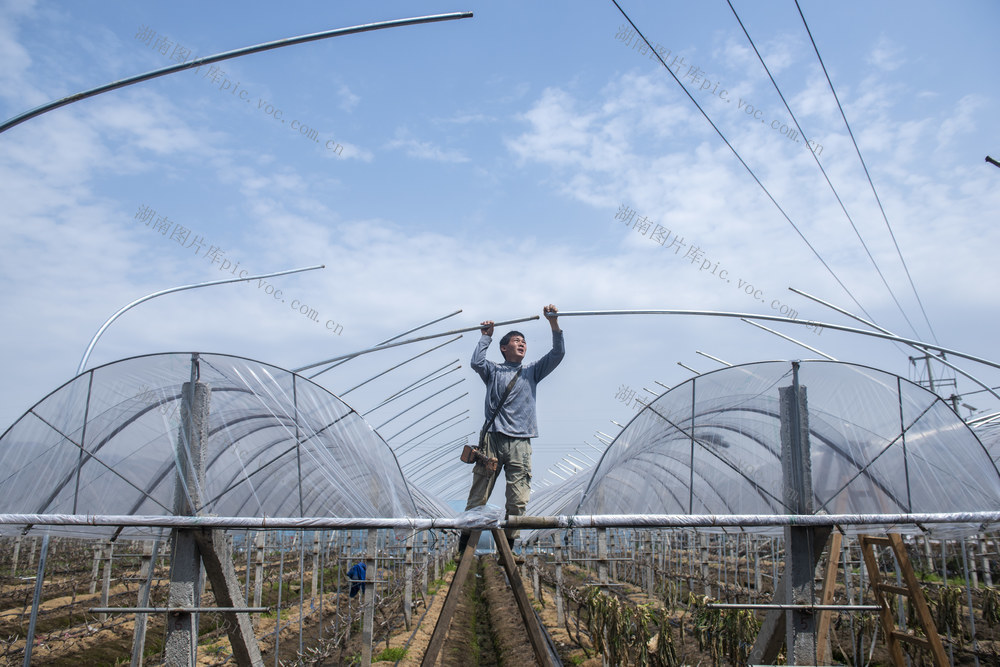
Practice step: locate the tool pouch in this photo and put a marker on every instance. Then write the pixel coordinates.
(474, 455)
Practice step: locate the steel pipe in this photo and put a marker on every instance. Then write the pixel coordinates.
(884, 330)
(226, 55)
(184, 610)
(776, 318)
(121, 311)
(523, 522)
(377, 348)
(816, 607)
(788, 338)
(389, 340)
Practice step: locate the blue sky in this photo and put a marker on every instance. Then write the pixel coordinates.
(480, 164)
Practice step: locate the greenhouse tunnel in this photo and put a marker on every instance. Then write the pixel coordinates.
(278, 445)
(879, 444)
(110, 443)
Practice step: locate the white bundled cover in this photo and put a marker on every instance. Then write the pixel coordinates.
(879, 444)
(278, 445)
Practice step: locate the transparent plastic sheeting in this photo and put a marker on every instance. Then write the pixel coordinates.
(879, 444)
(278, 445)
(989, 434)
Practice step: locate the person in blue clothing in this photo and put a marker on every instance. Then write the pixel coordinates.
(357, 575)
(508, 437)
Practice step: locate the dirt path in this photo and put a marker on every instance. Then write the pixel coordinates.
(486, 629)
(510, 635)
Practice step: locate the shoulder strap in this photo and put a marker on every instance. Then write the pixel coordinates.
(506, 393)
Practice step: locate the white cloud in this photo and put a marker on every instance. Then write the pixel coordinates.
(962, 120)
(466, 118)
(15, 57)
(425, 150)
(886, 55)
(73, 253)
(349, 101)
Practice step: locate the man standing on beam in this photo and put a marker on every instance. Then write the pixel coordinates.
(510, 417)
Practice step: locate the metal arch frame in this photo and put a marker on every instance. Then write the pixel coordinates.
(121, 311)
(834, 447)
(299, 438)
(159, 476)
(776, 318)
(977, 521)
(688, 434)
(628, 481)
(165, 470)
(226, 55)
(863, 470)
(76, 471)
(700, 497)
(764, 494)
(350, 410)
(89, 454)
(826, 440)
(232, 483)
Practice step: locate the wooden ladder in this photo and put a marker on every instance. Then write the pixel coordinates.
(931, 641)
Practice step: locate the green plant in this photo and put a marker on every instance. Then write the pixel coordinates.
(395, 653)
(724, 632)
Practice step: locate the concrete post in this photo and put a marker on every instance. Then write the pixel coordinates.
(146, 573)
(408, 581)
(650, 580)
(258, 571)
(803, 546)
(426, 582)
(367, 628)
(928, 559)
(973, 573)
(315, 572)
(17, 552)
(536, 584)
(185, 571)
(602, 555)
(96, 569)
(703, 557)
(216, 552)
(437, 560)
(106, 558)
(800, 625)
(987, 575)
(558, 548)
(194, 548)
(757, 578)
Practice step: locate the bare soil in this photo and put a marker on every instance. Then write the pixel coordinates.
(486, 630)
